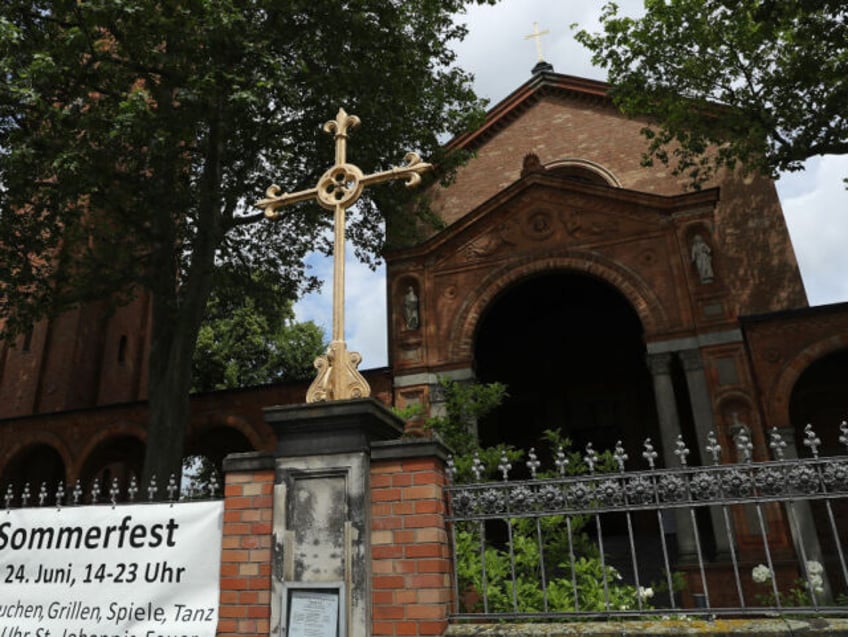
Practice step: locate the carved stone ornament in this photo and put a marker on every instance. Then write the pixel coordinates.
(489, 243)
(538, 225)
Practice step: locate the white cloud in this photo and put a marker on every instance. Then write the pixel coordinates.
(815, 204)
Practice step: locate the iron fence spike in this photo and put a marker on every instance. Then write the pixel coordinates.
(811, 440)
(533, 463)
(713, 447)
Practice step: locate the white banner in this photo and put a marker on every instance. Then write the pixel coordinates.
(145, 570)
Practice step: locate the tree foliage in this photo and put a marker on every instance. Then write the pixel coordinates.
(761, 82)
(134, 135)
(249, 337)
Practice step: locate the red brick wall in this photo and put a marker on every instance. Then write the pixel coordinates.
(245, 608)
(752, 242)
(411, 589)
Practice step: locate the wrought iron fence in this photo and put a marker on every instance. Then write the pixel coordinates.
(116, 493)
(736, 538)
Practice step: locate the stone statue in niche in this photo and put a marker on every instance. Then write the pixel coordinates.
(410, 309)
(702, 257)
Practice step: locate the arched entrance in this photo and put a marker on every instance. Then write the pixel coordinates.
(569, 347)
(119, 458)
(36, 465)
(819, 399)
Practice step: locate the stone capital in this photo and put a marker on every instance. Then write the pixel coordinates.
(659, 364)
(691, 359)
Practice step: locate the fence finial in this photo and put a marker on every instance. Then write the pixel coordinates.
(812, 440)
(477, 466)
(133, 488)
(620, 456)
(114, 491)
(172, 488)
(533, 463)
(60, 495)
(713, 448)
(504, 466)
(152, 488)
(777, 444)
(744, 445)
(591, 457)
(561, 461)
(681, 450)
(649, 454)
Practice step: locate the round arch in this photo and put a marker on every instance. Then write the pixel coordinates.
(578, 165)
(115, 457)
(42, 439)
(637, 292)
(34, 463)
(218, 437)
(777, 403)
(257, 438)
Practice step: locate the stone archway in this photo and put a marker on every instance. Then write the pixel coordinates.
(570, 347)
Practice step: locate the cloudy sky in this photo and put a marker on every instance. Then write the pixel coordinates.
(815, 201)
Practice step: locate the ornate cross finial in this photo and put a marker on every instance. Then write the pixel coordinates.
(338, 189)
(537, 35)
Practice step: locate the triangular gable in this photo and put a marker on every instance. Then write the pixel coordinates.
(542, 207)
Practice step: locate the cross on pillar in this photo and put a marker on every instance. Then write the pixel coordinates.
(537, 35)
(338, 189)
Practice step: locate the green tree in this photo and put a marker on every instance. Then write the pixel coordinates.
(134, 134)
(249, 337)
(756, 82)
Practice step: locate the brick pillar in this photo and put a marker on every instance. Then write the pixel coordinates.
(410, 555)
(245, 606)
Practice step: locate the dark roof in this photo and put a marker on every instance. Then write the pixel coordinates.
(830, 308)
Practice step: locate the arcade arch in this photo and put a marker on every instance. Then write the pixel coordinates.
(118, 458)
(212, 444)
(35, 464)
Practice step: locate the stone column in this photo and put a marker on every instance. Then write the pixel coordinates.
(669, 422)
(702, 412)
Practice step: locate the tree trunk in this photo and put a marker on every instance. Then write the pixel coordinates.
(178, 310)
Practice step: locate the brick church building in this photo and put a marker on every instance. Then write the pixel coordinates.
(614, 303)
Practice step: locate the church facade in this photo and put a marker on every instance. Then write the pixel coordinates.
(612, 301)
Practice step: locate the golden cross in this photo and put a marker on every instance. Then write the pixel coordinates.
(537, 35)
(337, 190)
